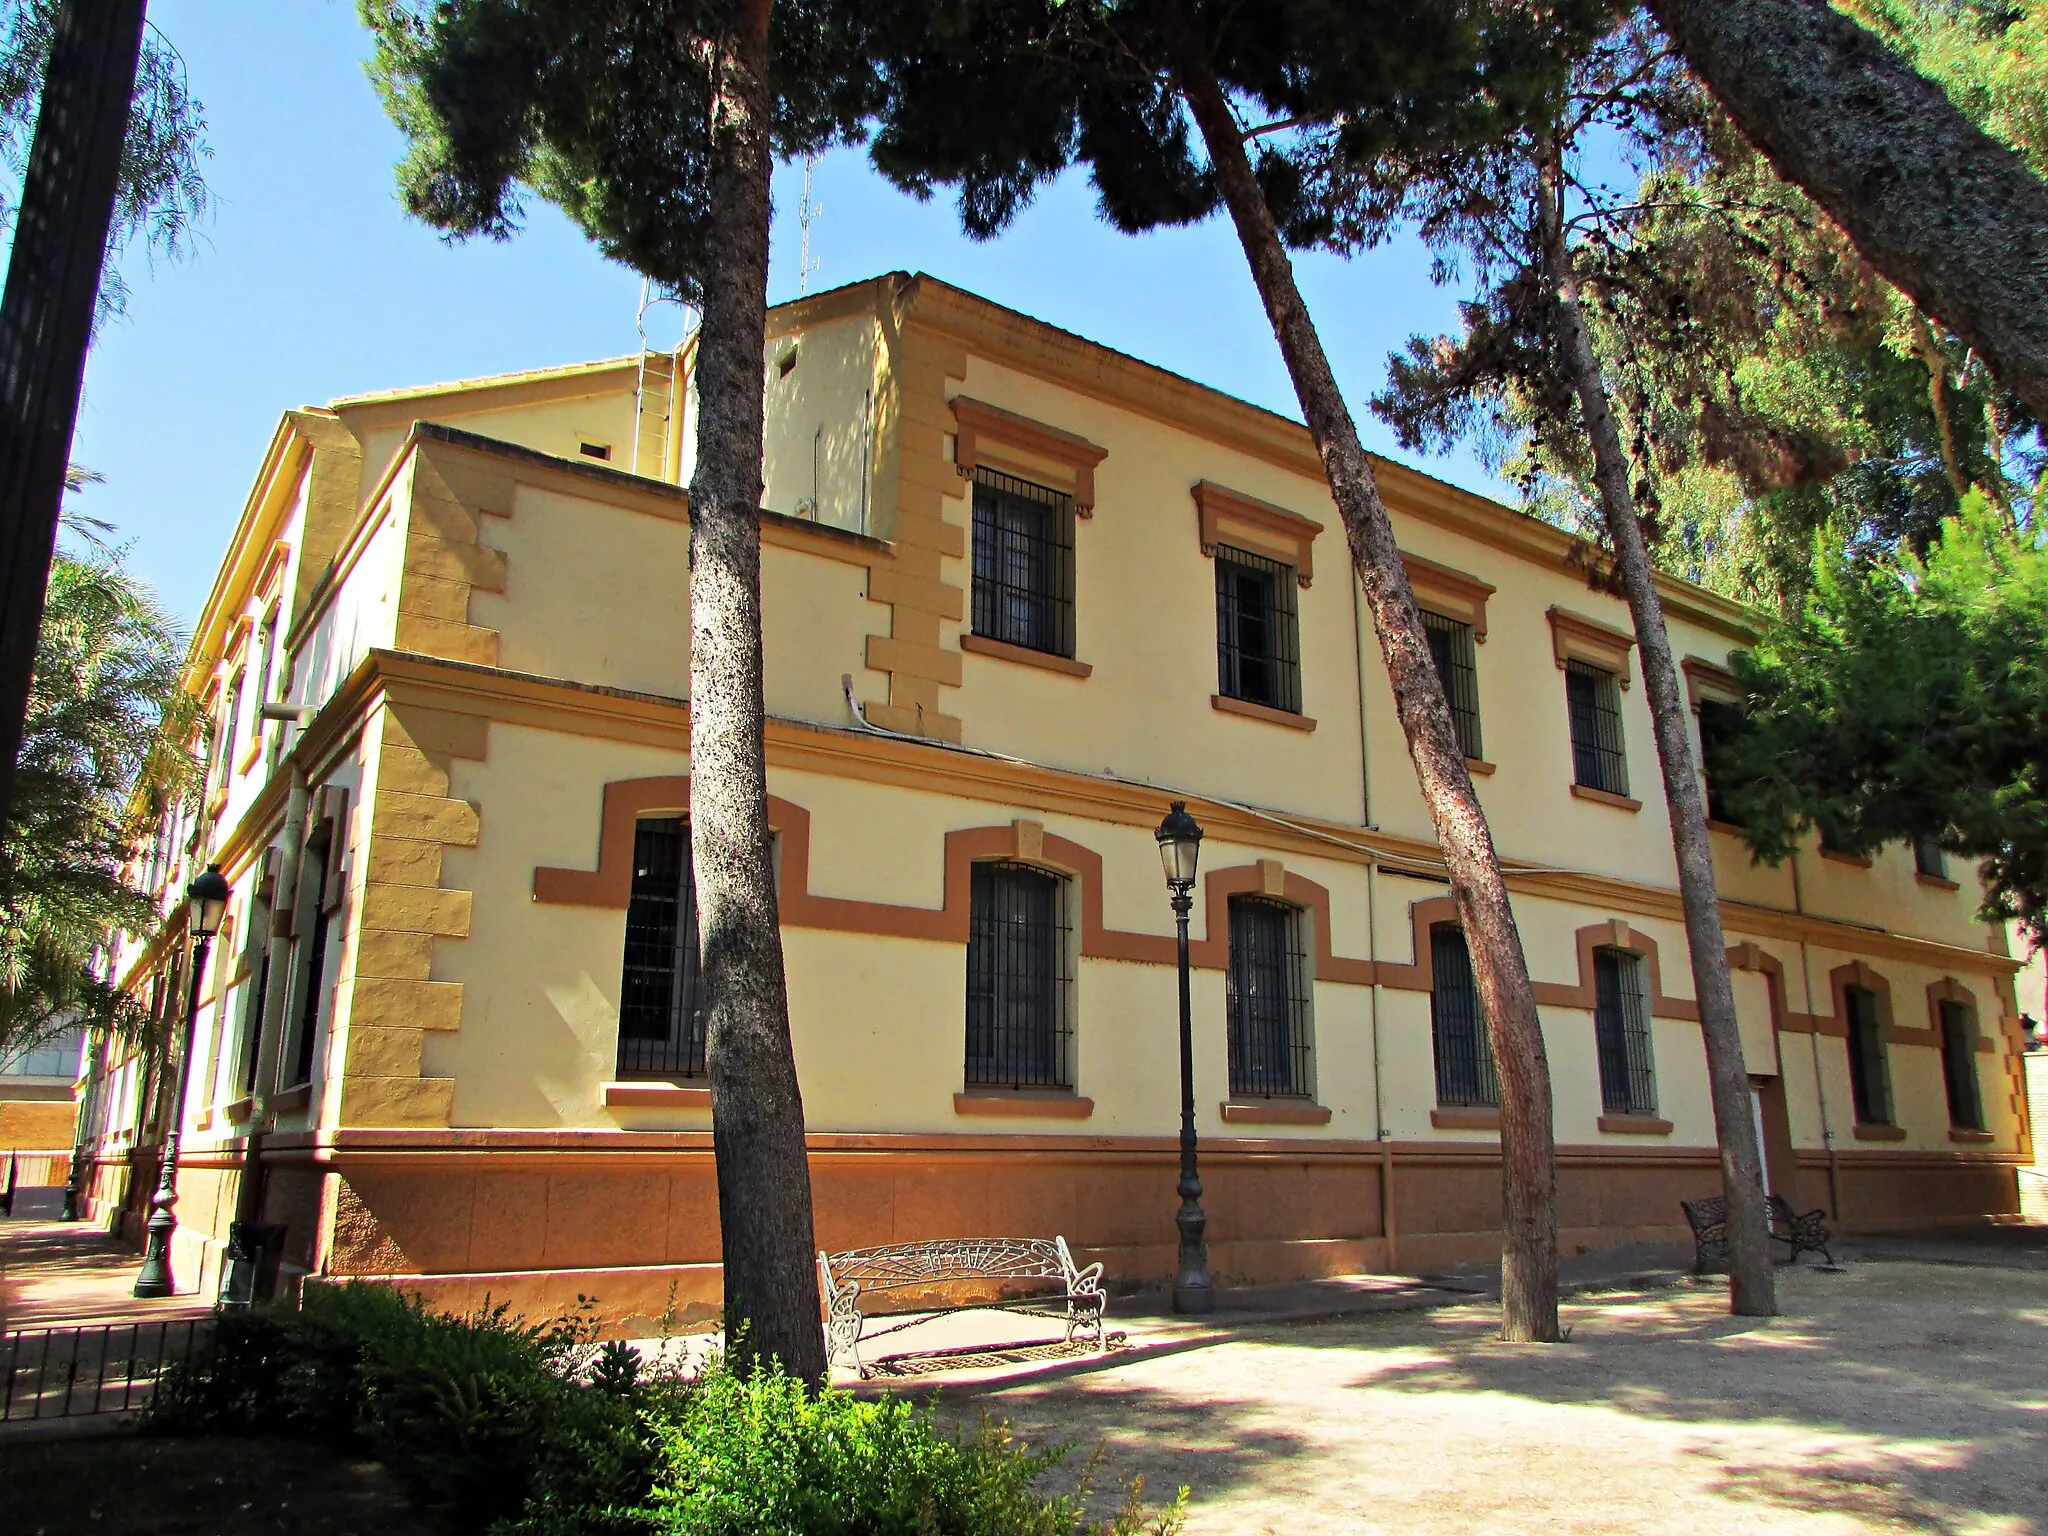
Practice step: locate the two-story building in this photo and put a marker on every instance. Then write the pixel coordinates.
(1019, 590)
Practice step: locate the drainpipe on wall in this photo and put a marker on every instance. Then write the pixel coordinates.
(1388, 1225)
(249, 1235)
(1820, 1087)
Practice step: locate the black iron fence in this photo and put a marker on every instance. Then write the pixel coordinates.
(56, 1373)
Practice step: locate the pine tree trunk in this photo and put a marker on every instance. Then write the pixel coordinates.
(53, 284)
(1527, 1142)
(1949, 214)
(1752, 1286)
(757, 1112)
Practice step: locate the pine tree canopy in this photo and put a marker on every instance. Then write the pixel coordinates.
(600, 107)
(997, 97)
(1908, 700)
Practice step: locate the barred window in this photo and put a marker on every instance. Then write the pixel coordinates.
(661, 999)
(1719, 722)
(1023, 563)
(1593, 696)
(1621, 1027)
(1258, 657)
(1464, 1054)
(1930, 858)
(1019, 1023)
(312, 959)
(1959, 1067)
(1870, 1079)
(257, 997)
(1267, 997)
(1450, 642)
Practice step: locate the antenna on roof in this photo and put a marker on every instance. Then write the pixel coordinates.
(807, 210)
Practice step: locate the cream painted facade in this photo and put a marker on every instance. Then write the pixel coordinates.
(485, 608)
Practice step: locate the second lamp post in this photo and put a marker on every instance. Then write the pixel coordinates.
(206, 903)
(1180, 849)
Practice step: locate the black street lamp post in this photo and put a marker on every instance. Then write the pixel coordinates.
(1180, 849)
(206, 903)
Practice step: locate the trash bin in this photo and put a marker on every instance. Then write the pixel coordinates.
(250, 1273)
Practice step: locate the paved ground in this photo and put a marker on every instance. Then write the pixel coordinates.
(56, 1274)
(1899, 1395)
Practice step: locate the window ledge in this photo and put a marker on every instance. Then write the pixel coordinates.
(1858, 860)
(1040, 1105)
(1470, 1117)
(1265, 712)
(1002, 650)
(1634, 1125)
(1274, 1112)
(241, 1108)
(1478, 765)
(293, 1099)
(1728, 828)
(1606, 797)
(1880, 1133)
(655, 1096)
(1938, 882)
(1974, 1138)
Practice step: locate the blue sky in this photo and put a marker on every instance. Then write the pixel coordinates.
(309, 282)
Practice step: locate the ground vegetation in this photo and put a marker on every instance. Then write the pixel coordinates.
(494, 1425)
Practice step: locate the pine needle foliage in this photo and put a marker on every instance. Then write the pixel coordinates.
(1908, 699)
(602, 109)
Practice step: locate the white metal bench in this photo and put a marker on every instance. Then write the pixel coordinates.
(992, 1263)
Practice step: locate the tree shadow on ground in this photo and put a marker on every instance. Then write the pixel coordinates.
(1925, 1414)
(1897, 1396)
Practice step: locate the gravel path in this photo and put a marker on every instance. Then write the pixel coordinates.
(1896, 1396)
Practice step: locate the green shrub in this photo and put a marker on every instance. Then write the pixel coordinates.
(481, 1417)
(757, 1455)
(496, 1426)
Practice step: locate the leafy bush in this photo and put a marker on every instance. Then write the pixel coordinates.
(497, 1426)
(481, 1416)
(757, 1455)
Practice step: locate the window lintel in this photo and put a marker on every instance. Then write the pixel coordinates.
(1449, 592)
(1709, 683)
(1241, 521)
(977, 422)
(1574, 637)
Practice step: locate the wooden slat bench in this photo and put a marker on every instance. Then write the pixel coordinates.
(1066, 1293)
(1708, 1219)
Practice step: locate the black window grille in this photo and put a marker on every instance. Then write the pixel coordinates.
(1621, 1026)
(1258, 657)
(252, 1019)
(1023, 563)
(315, 961)
(1719, 722)
(1464, 1054)
(1267, 996)
(1594, 699)
(1959, 1068)
(1870, 1078)
(661, 1000)
(1930, 858)
(1450, 642)
(1018, 985)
